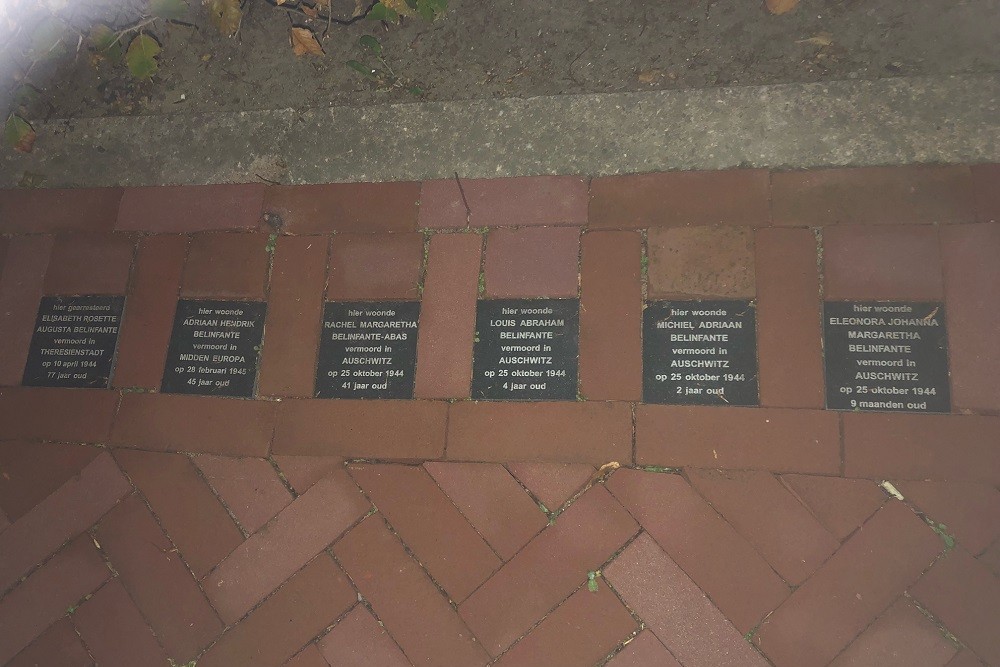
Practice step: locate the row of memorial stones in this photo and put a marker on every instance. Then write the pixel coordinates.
(878, 355)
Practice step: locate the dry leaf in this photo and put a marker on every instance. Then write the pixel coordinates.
(650, 75)
(322, 3)
(280, 2)
(304, 42)
(822, 39)
(398, 6)
(311, 12)
(780, 6)
(359, 8)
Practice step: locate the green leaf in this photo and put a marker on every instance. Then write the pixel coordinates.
(371, 43)
(106, 43)
(415, 90)
(141, 57)
(382, 13)
(168, 9)
(19, 134)
(592, 582)
(47, 39)
(430, 9)
(226, 15)
(362, 68)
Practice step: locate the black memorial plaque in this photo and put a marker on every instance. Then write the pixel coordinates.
(74, 341)
(214, 348)
(886, 356)
(526, 349)
(699, 353)
(368, 349)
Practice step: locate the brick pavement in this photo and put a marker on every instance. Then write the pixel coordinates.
(140, 528)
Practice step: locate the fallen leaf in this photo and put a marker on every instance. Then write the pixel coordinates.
(822, 39)
(311, 12)
(168, 9)
(280, 2)
(226, 15)
(780, 6)
(19, 134)
(304, 42)
(141, 57)
(650, 75)
(359, 8)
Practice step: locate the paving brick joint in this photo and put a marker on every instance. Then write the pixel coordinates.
(142, 524)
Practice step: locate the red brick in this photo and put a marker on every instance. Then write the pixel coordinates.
(192, 208)
(345, 207)
(760, 439)
(611, 316)
(872, 262)
(63, 515)
(789, 338)
(21, 286)
(428, 522)
(250, 488)
(553, 483)
(850, 590)
(210, 425)
(90, 264)
(310, 656)
(33, 470)
(226, 265)
(581, 631)
(58, 210)
(972, 280)
(59, 645)
(43, 597)
(504, 202)
(293, 538)
(901, 637)
(369, 429)
(939, 447)
(304, 471)
(986, 185)
(193, 517)
(448, 316)
(966, 658)
(771, 518)
(548, 569)
(872, 195)
(411, 608)
(157, 580)
(970, 511)
(701, 262)
(676, 610)
(965, 597)
(359, 641)
(841, 505)
(675, 199)
(44, 413)
(149, 317)
(4, 243)
(532, 262)
(308, 602)
(493, 502)
(115, 631)
(643, 651)
(721, 562)
(991, 558)
(581, 432)
(375, 266)
(294, 313)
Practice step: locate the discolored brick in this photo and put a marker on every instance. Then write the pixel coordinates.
(88, 263)
(190, 513)
(250, 488)
(358, 640)
(344, 207)
(115, 631)
(840, 504)
(192, 208)
(405, 599)
(899, 262)
(294, 314)
(760, 439)
(21, 286)
(970, 511)
(901, 637)
(33, 470)
(33, 211)
(149, 315)
(210, 425)
(553, 483)
(59, 645)
(870, 571)
(611, 316)
(428, 522)
(643, 651)
(679, 198)
(697, 262)
(723, 563)
(375, 266)
(548, 569)
(448, 316)
(504, 202)
(293, 538)
(532, 262)
(309, 601)
(789, 334)
(873, 195)
(579, 432)
(226, 265)
(675, 609)
(937, 447)
(369, 429)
